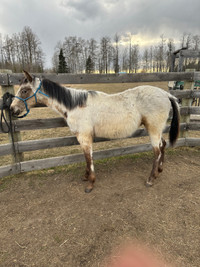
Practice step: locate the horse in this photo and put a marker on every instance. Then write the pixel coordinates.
(92, 114)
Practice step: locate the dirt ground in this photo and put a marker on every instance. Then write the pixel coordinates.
(47, 219)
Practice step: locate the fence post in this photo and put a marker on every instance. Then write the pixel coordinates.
(16, 135)
(187, 102)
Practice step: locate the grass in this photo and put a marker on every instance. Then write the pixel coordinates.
(77, 168)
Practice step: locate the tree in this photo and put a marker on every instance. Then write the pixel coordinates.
(146, 60)
(151, 58)
(75, 51)
(89, 65)
(196, 42)
(32, 54)
(135, 57)
(21, 51)
(171, 49)
(130, 55)
(62, 65)
(125, 60)
(116, 53)
(106, 54)
(92, 50)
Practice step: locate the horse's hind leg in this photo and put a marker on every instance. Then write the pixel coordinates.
(158, 145)
(154, 171)
(86, 144)
(159, 152)
(162, 150)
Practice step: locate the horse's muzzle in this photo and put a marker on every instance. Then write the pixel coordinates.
(14, 111)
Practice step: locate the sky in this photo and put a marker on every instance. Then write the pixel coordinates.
(144, 21)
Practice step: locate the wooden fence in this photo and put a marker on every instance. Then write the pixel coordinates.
(8, 80)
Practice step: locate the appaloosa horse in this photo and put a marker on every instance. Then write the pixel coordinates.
(96, 114)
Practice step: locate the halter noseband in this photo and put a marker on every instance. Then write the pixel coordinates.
(24, 100)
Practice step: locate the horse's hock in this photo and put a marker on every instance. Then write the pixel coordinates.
(8, 80)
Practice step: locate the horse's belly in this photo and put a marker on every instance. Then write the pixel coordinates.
(116, 128)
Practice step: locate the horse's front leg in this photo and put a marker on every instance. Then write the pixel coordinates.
(86, 144)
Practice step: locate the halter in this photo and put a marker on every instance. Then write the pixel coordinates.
(24, 100)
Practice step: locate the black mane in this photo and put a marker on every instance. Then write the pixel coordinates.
(70, 98)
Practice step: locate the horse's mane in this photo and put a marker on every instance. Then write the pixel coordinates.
(70, 98)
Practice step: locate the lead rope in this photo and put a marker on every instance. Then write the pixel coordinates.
(7, 100)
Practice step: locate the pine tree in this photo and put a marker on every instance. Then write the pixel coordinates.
(89, 65)
(62, 66)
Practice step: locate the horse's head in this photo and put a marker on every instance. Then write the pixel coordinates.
(25, 97)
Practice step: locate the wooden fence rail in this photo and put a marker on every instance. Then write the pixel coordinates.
(15, 78)
(8, 80)
(25, 146)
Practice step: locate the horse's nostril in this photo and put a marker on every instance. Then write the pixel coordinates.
(17, 112)
(14, 112)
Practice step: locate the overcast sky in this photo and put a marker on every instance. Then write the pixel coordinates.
(145, 20)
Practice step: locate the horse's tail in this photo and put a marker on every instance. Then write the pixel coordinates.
(174, 129)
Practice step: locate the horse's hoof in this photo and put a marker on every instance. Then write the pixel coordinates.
(160, 169)
(88, 189)
(148, 184)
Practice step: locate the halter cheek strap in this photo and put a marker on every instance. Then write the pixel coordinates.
(25, 99)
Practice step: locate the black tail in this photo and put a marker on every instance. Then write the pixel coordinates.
(174, 129)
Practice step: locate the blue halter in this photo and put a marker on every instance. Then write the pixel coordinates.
(25, 99)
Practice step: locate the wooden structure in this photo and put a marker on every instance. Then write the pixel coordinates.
(181, 54)
(8, 80)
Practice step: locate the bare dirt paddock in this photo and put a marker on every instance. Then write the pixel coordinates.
(47, 219)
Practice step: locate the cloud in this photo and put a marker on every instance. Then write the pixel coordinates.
(83, 10)
(55, 19)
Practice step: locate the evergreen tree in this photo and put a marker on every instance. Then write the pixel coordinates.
(89, 65)
(62, 65)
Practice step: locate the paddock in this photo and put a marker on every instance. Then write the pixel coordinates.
(48, 220)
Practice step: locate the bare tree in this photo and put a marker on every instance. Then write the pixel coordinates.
(76, 53)
(196, 42)
(116, 53)
(135, 57)
(92, 51)
(106, 54)
(151, 58)
(170, 50)
(125, 60)
(146, 60)
(32, 53)
(20, 51)
(130, 55)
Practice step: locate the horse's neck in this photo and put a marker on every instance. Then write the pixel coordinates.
(59, 108)
(64, 99)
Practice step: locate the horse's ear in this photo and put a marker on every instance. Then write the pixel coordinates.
(28, 76)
